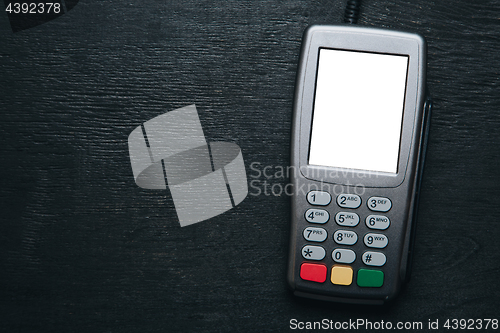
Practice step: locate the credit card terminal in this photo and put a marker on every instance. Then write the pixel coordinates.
(360, 118)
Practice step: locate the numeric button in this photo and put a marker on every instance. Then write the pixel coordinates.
(345, 237)
(378, 241)
(317, 215)
(312, 234)
(344, 256)
(379, 222)
(319, 198)
(347, 219)
(379, 204)
(348, 200)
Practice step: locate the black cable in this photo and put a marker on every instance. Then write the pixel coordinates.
(351, 13)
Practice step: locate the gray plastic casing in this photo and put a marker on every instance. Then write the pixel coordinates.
(401, 188)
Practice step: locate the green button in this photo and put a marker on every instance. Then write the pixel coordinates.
(370, 278)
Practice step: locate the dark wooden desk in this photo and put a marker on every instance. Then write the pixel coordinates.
(82, 248)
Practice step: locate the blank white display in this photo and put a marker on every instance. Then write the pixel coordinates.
(358, 110)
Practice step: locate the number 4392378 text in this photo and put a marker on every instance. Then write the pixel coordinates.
(33, 8)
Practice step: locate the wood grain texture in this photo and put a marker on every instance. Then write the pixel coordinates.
(82, 248)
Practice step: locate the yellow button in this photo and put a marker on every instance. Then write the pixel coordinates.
(341, 275)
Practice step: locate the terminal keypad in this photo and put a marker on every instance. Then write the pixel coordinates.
(345, 235)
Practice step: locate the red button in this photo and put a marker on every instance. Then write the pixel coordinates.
(313, 272)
